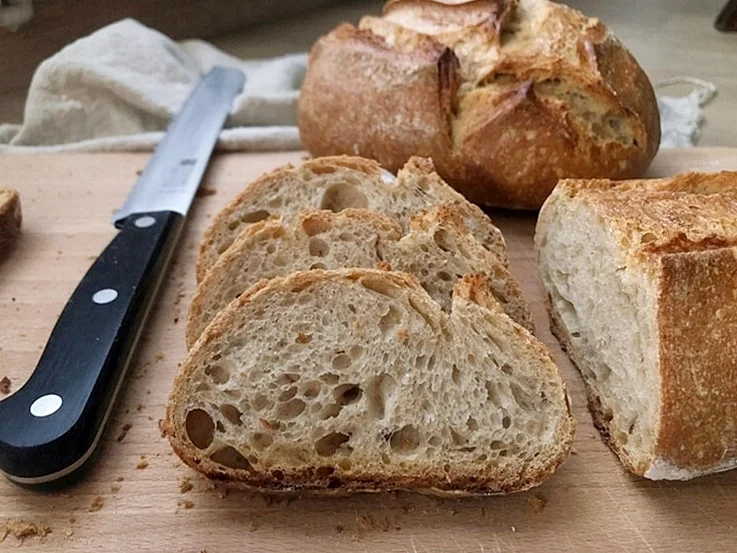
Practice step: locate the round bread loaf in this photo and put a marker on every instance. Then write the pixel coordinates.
(506, 96)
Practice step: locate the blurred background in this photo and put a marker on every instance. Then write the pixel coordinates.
(669, 38)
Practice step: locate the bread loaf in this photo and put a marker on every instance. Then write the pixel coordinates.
(356, 380)
(506, 96)
(437, 250)
(339, 183)
(10, 218)
(641, 281)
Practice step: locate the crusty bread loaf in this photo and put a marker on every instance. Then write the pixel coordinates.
(338, 183)
(437, 250)
(355, 380)
(10, 218)
(506, 96)
(641, 280)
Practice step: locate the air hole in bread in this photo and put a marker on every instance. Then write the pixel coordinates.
(261, 441)
(405, 440)
(434, 441)
(344, 464)
(254, 216)
(345, 394)
(472, 424)
(506, 422)
(457, 438)
(270, 248)
(381, 286)
(390, 320)
(230, 457)
(492, 393)
(288, 394)
(329, 411)
(329, 444)
(218, 374)
(316, 266)
(203, 387)
(311, 389)
(385, 459)
(329, 378)
(288, 378)
(443, 241)
(351, 308)
(261, 402)
(232, 414)
(355, 352)
(318, 247)
(220, 426)
(324, 472)
(443, 275)
(446, 468)
(431, 362)
(456, 375)
(507, 369)
(497, 445)
(647, 238)
(521, 396)
(342, 196)
(346, 237)
(342, 361)
(291, 409)
(281, 261)
(200, 428)
(378, 390)
(277, 475)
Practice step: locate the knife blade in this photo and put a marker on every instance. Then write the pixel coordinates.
(50, 428)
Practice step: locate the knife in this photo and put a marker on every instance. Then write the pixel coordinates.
(51, 426)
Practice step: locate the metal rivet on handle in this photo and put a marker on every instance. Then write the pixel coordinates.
(104, 296)
(46, 405)
(145, 221)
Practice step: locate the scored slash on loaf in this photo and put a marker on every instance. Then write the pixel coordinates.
(506, 96)
(641, 282)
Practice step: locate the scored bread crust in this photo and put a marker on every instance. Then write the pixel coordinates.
(10, 218)
(338, 183)
(473, 299)
(682, 233)
(318, 240)
(506, 96)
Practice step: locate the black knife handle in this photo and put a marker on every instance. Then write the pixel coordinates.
(51, 425)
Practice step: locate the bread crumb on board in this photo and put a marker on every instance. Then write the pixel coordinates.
(537, 502)
(115, 488)
(22, 529)
(185, 485)
(97, 504)
(69, 532)
(123, 432)
(143, 463)
(160, 357)
(5, 386)
(252, 527)
(185, 503)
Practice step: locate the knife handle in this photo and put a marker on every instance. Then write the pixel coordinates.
(52, 425)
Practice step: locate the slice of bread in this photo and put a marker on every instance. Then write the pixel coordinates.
(437, 250)
(10, 219)
(641, 281)
(337, 183)
(356, 380)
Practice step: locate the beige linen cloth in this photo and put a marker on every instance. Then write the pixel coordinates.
(118, 88)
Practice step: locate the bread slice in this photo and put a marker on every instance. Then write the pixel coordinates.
(337, 183)
(356, 380)
(641, 281)
(10, 218)
(437, 250)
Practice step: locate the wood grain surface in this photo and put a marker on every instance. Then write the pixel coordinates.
(137, 498)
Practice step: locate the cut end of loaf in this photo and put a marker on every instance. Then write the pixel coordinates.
(355, 380)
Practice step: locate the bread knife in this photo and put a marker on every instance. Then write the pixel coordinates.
(52, 425)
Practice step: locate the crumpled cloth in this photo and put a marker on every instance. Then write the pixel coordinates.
(118, 88)
(681, 117)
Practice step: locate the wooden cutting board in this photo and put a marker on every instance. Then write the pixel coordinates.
(137, 497)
